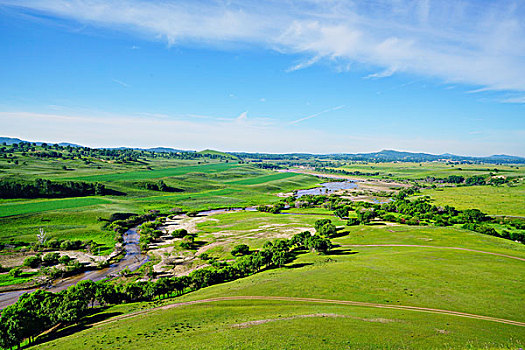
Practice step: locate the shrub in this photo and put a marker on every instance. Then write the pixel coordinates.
(241, 249)
(50, 259)
(179, 233)
(15, 272)
(32, 261)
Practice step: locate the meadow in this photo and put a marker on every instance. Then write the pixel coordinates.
(394, 269)
(200, 185)
(419, 171)
(427, 277)
(494, 200)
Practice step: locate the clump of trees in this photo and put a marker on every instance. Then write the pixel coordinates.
(36, 312)
(40, 188)
(157, 186)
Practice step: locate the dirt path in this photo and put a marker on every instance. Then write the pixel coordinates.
(431, 246)
(320, 301)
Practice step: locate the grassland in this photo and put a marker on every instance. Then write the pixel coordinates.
(292, 325)
(201, 186)
(401, 266)
(157, 174)
(37, 206)
(428, 277)
(494, 200)
(7, 280)
(415, 171)
(263, 179)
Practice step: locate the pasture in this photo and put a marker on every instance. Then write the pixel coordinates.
(418, 171)
(494, 200)
(419, 277)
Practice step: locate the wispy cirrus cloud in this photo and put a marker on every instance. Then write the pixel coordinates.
(468, 42)
(121, 83)
(297, 121)
(101, 129)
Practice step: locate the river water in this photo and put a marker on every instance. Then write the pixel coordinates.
(327, 188)
(132, 260)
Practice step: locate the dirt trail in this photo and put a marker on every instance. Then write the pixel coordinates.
(320, 301)
(431, 246)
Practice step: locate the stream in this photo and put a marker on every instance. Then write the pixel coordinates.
(133, 258)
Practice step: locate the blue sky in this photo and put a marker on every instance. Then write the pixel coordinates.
(267, 76)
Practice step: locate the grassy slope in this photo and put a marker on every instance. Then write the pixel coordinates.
(213, 326)
(500, 200)
(426, 277)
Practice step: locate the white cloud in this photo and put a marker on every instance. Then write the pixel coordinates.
(121, 83)
(98, 129)
(517, 99)
(469, 42)
(316, 114)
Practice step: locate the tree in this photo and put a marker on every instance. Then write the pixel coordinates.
(241, 249)
(279, 258)
(319, 244)
(15, 272)
(327, 230)
(50, 259)
(320, 223)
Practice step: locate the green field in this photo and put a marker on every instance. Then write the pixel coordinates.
(445, 268)
(291, 325)
(37, 206)
(445, 279)
(157, 174)
(200, 187)
(263, 179)
(416, 171)
(494, 200)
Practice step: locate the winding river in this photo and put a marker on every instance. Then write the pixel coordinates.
(133, 258)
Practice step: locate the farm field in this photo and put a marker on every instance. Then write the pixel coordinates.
(494, 200)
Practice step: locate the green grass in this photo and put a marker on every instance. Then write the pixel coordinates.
(215, 326)
(494, 200)
(424, 277)
(414, 171)
(41, 205)
(263, 179)
(7, 280)
(157, 174)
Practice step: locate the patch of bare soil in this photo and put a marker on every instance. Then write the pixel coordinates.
(259, 322)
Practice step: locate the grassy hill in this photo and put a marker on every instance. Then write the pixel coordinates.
(355, 297)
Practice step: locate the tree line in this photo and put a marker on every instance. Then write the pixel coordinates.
(41, 310)
(41, 188)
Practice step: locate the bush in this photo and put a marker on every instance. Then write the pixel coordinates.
(64, 259)
(50, 259)
(32, 261)
(179, 233)
(241, 249)
(15, 272)
(352, 222)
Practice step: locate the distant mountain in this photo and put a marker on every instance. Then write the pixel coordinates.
(391, 155)
(381, 156)
(162, 150)
(12, 140)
